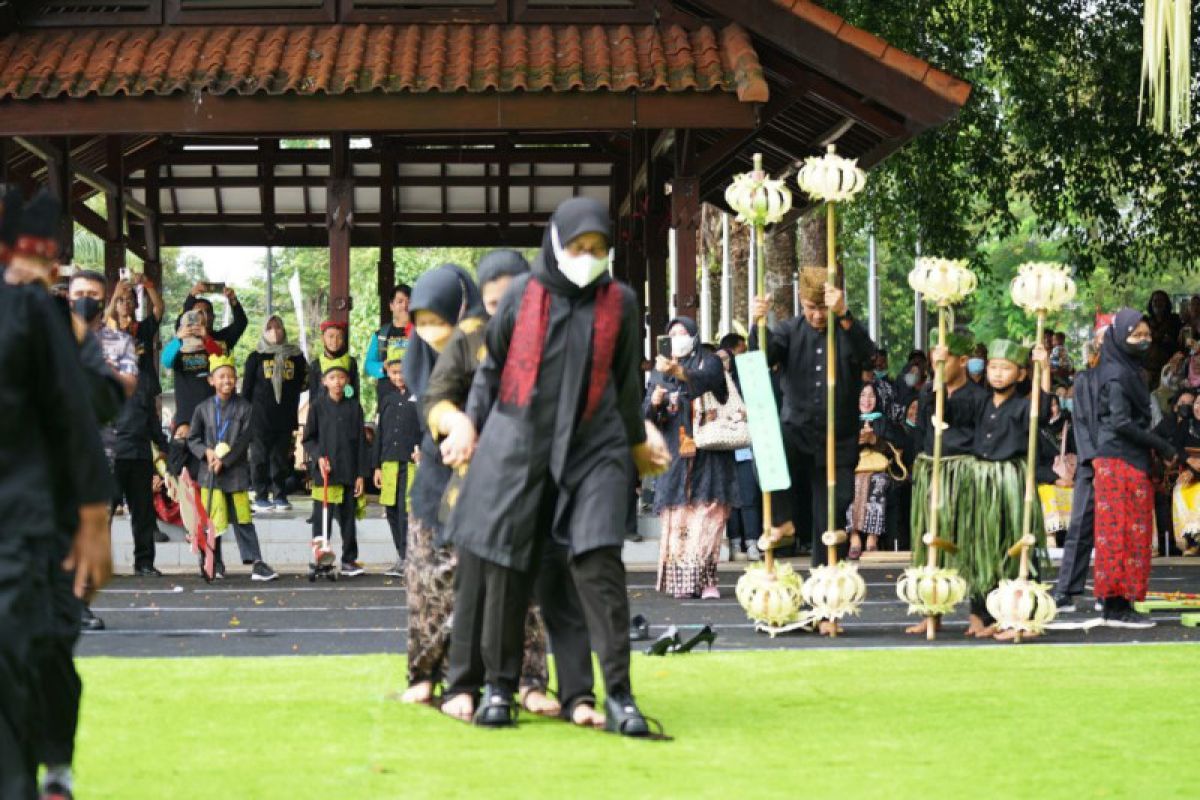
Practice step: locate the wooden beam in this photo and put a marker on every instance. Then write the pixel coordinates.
(728, 146)
(339, 221)
(357, 113)
(59, 179)
(266, 175)
(387, 232)
(363, 235)
(408, 181)
(151, 232)
(114, 240)
(685, 219)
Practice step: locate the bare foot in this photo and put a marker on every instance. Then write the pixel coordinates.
(975, 625)
(535, 701)
(829, 627)
(419, 693)
(1011, 636)
(923, 625)
(586, 716)
(988, 632)
(872, 543)
(461, 707)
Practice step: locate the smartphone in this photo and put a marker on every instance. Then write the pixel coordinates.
(125, 274)
(664, 346)
(213, 288)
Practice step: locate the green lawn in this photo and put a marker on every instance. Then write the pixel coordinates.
(1013, 722)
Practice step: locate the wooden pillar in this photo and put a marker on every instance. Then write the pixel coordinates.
(151, 226)
(636, 254)
(656, 233)
(60, 180)
(114, 240)
(339, 219)
(685, 219)
(387, 229)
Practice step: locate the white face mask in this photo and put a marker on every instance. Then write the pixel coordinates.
(681, 346)
(580, 270)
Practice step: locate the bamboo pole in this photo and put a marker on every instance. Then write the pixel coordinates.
(831, 385)
(935, 488)
(1031, 462)
(757, 251)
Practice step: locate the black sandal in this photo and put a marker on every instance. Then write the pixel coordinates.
(496, 709)
(622, 716)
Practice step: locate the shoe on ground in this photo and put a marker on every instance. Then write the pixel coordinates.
(89, 621)
(1065, 604)
(263, 572)
(282, 504)
(752, 552)
(55, 791)
(160, 537)
(262, 506)
(395, 570)
(147, 572)
(639, 629)
(634, 536)
(352, 569)
(219, 571)
(710, 593)
(621, 715)
(1128, 619)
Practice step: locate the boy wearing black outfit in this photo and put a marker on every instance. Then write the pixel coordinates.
(397, 436)
(337, 447)
(275, 375)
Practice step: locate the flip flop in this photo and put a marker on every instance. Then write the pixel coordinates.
(855, 553)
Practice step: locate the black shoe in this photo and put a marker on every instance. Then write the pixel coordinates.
(89, 621)
(56, 791)
(634, 536)
(665, 643)
(621, 715)
(706, 635)
(639, 629)
(147, 572)
(496, 709)
(263, 573)
(1128, 618)
(160, 537)
(1065, 604)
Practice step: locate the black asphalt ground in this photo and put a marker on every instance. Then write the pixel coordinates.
(180, 615)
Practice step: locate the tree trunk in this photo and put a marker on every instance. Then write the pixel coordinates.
(813, 238)
(782, 264)
(739, 257)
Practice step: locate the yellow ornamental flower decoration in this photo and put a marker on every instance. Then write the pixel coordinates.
(831, 178)
(930, 591)
(942, 281)
(770, 599)
(835, 591)
(1022, 605)
(1042, 287)
(757, 198)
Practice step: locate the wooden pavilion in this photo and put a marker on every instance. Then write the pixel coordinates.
(396, 123)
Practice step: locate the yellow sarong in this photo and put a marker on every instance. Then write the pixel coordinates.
(1185, 510)
(336, 493)
(218, 508)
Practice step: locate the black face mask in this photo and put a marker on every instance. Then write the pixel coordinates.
(87, 308)
(1139, 348)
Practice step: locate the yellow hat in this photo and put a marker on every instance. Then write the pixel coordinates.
(812, 284)
(215, 362)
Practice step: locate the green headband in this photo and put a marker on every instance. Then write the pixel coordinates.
(960, 345)
(395, 355)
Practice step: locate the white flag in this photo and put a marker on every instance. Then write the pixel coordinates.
(298, 303)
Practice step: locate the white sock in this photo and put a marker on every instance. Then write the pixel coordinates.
(59, 774)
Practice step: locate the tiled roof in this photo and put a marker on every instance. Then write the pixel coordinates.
(337, 59)
(942, 83)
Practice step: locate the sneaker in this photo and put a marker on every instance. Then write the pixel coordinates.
(262, 572)
(1065, 604)
(262, 507)
(147, 572)
(1128, 619)
(634, 536)
(752, 552)
(396, 570)
(160, 537)
(282, 504)
(352, 569)
(89, 621)
(219, 571)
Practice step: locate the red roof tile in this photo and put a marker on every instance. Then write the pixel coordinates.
(942, 83)
(336, 59)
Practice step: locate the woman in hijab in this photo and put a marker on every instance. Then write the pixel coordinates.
(1124, 494)
(1185, 499)
(1165, 326)
(880, 446)
(557, 404)
(274, 377)
(694, 496)
(441, 300)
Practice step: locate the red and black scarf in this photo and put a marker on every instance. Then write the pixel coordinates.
(520, 373)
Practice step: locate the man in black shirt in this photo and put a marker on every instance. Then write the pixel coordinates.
(797, 346)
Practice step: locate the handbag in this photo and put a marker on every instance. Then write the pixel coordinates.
(720, 426)
(1065, 463)
(872, 460)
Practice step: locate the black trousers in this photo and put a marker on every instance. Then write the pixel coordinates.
(1077, 550)
(270, 463)
(134, 477)
(397, 516)
(484, 647)
(345, 514)
(809, 491)
(58, 688)
(24, 596)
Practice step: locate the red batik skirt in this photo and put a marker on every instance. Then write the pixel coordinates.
(1124, 529)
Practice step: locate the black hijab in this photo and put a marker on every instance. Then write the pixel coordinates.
(1120, 363)
(500, 264)
(706, 366)
(572, 218)
(451, 293)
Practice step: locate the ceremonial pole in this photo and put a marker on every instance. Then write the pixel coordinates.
(1021, 605)
(928, 590)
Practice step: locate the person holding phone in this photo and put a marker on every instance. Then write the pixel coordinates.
(195, 340)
